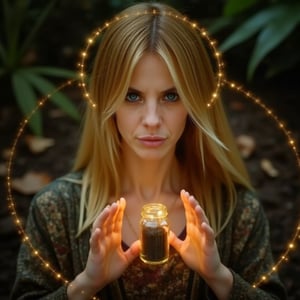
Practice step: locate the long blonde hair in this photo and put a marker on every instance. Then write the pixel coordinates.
(206, 150)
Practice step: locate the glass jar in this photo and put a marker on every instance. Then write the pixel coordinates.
(154, 230)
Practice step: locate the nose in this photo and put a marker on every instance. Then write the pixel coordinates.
(151, 116)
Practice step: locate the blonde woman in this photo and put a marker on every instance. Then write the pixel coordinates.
(150, 138)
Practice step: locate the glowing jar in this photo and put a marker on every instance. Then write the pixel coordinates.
(154, 231)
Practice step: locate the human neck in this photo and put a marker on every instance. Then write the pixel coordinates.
(148, 180)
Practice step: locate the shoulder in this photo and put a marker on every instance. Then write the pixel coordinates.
(53, 218)
(247, 201)
(248, 206)
(249, 222)
(249, 211)
(61, 192)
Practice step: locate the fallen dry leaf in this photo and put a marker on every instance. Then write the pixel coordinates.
(31, 182)
(246, 145)
(268, 167)
(3, 169)
(56, 113)
(6, 153)
(237, 105)
(38, 144)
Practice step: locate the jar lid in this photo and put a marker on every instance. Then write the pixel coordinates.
(154, 210)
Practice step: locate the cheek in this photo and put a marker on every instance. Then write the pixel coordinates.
(124, 123)
(180, 121)
(120, 123)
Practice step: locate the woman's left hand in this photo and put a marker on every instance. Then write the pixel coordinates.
(199, 249)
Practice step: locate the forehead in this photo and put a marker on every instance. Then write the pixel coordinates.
(151, 70)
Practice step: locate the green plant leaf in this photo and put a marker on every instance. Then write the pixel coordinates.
(14, 15)
(283, 64)
(39, 21)
(26, 99)
(234, 7)
(277, 30)
(250, 27)
(2, 54)
(45, 87)
(55, 72)
(219, 24)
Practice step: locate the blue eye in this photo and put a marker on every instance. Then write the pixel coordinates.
(132, 97)
(171, 97)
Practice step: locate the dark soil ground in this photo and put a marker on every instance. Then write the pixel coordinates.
(279, 195)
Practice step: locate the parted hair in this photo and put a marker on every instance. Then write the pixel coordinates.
(206, 151)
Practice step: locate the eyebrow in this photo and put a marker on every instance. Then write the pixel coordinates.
(169, 90)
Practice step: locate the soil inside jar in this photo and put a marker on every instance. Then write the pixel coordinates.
(155, 248)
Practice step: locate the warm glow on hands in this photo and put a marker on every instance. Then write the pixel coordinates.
(195, 216)
(199, 249)
(107, 260)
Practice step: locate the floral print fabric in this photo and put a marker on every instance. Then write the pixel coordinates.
(52, 226)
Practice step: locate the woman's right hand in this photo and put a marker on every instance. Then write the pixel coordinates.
(106, 260)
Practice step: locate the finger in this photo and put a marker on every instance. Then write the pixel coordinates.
(94, 241)
(133, 251)
(184, 196)
(104, 220)
(195, 207)
(119, 215)
(110, 222)
(99, 221)
(196, 211)
(175, 241)
(201, 216)
(209, 234)
(190, 205)
(185, 200)
(189, 201)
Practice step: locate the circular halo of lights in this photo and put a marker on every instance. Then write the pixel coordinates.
(221, 81)
(216, 54)
(236, 87)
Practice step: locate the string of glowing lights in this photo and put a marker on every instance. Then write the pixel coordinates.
(292, 144)
(210, 42)
(10, 199)
(221, 82)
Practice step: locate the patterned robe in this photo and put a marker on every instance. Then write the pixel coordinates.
(52, 226)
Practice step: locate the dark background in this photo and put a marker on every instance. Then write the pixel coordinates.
(58, 43)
